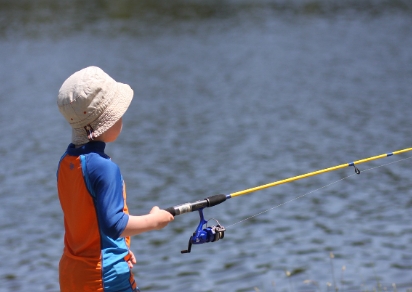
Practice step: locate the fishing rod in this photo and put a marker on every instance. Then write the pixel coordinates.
(216, 232)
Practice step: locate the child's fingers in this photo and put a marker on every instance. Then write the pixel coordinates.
(169, 216)
(133, 258)
(130, 265)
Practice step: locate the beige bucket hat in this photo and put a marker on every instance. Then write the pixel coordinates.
(92, 102)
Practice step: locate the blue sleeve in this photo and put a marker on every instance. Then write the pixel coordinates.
(107, 184)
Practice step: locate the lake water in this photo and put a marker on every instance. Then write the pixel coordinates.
(228, 95)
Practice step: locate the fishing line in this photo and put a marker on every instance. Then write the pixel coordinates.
(216, 232)
(357, 171)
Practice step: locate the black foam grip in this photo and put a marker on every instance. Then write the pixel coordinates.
(171, 210)
(215, 200)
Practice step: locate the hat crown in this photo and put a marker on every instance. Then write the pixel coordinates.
(85, 95)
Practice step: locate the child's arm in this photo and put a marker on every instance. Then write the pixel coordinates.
(155, 220)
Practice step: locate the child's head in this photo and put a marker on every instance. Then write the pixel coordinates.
(92, 102)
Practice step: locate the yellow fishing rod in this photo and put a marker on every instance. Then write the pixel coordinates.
(309, 174)
(214, 233)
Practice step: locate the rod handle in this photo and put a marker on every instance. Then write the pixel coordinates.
(171, 210)
(190, 207)
(216, 200)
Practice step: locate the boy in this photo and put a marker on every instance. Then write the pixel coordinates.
(91, 190)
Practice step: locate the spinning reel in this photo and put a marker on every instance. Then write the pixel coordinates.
(208, 234)
(201, 235)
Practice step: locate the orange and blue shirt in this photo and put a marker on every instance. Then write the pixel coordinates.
(92, 195)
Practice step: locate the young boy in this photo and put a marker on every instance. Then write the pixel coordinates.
(91, 189)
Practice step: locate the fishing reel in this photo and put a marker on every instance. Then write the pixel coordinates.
(203, 235)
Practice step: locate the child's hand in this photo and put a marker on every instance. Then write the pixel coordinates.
(132, 260)
(162, 217)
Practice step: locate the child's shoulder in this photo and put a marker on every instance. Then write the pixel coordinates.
(101, 168)
(100, 160)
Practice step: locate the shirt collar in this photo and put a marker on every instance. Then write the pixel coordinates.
(91, 147)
